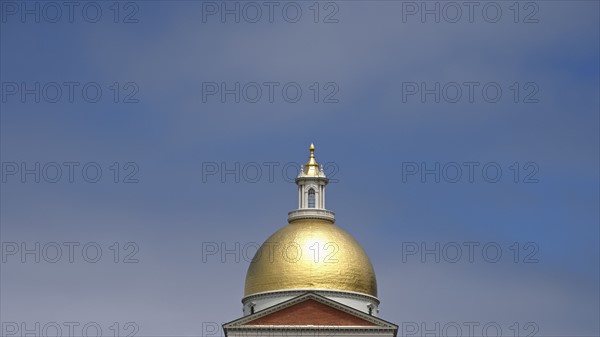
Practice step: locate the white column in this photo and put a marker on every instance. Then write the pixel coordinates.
(321, 199)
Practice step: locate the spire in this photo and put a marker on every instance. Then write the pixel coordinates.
(311, 192)
(311, 168)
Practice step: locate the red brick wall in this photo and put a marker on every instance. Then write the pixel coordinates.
(310, 312)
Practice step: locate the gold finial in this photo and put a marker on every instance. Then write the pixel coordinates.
(311, 168)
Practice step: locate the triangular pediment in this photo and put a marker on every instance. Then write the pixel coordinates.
(310, 310)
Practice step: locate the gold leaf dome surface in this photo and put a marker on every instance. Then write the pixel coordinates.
(311, 254)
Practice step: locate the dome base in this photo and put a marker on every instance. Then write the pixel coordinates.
(365, 303)
(313, 213)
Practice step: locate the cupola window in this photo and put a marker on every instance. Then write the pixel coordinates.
(311, 198)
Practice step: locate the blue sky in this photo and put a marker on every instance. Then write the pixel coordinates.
(370, 131)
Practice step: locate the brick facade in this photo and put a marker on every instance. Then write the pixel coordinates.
(310, 312)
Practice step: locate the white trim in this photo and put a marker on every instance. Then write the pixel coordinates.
(317, 297)
(349, 294)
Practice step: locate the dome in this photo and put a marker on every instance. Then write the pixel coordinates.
(311, 254)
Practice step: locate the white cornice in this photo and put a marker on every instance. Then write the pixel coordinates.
(313, 296)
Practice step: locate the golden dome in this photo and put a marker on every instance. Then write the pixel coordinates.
(311, 254)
